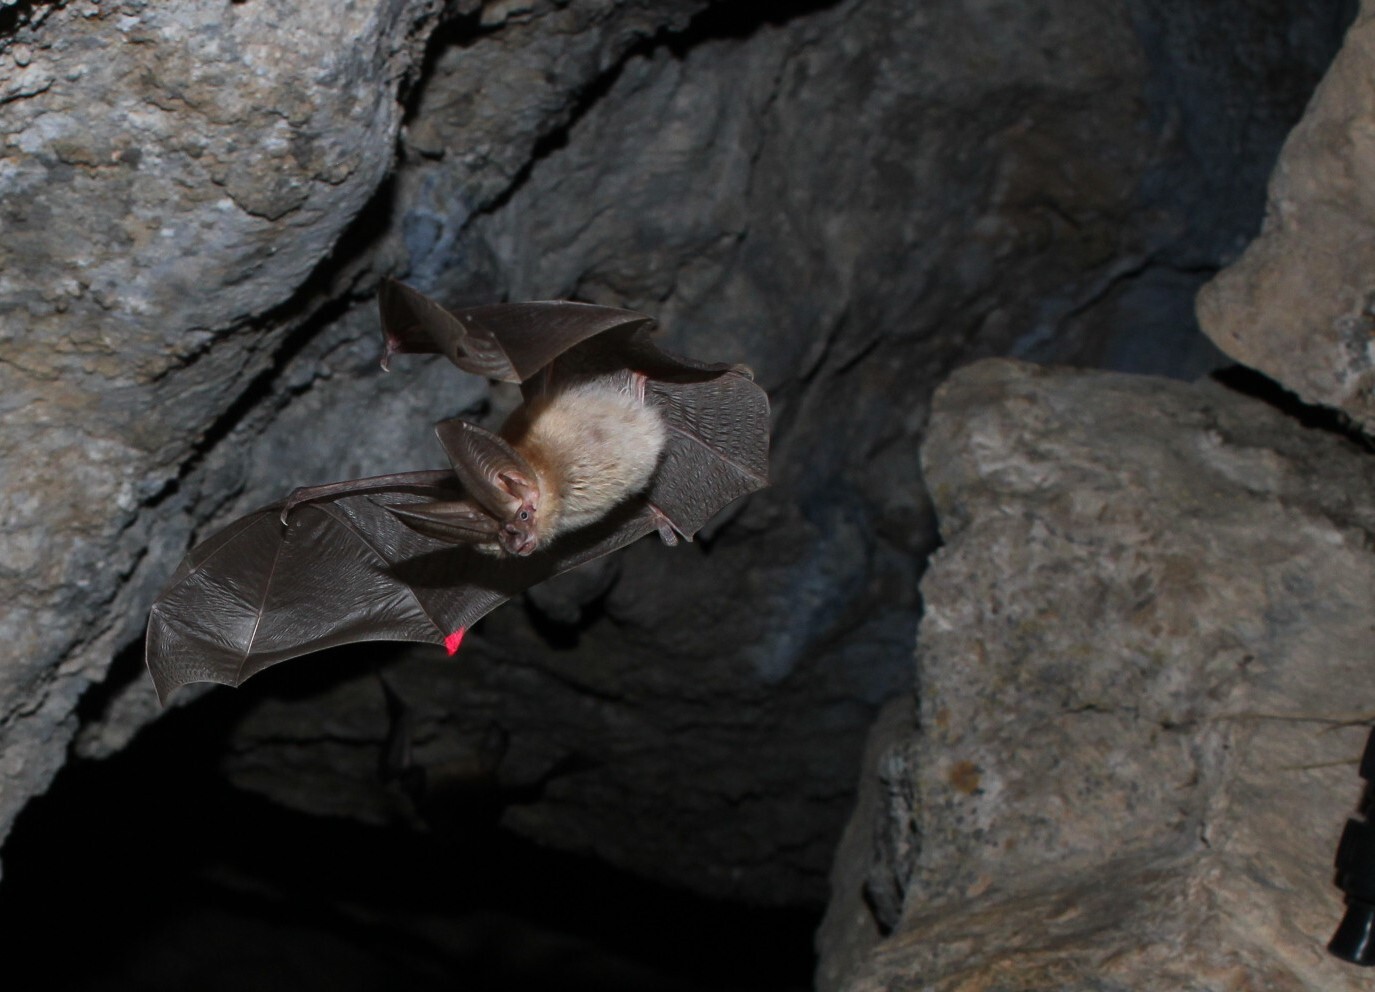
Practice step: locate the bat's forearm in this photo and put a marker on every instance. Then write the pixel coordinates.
(376, 483)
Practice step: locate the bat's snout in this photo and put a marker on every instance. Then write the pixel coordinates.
(518, 541)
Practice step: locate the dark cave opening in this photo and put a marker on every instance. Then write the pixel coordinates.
(175, 879)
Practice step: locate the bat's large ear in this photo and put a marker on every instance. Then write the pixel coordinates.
(452, 521)
(494, 473)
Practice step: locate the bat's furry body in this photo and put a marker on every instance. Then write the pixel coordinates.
(592, 446)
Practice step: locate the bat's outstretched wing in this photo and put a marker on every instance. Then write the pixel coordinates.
(718, 447)
(340, 570)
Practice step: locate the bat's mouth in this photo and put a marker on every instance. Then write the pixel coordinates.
(518, 544)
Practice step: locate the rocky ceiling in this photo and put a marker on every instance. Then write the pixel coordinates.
(197, 203)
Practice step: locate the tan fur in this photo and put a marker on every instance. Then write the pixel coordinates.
(592, 445)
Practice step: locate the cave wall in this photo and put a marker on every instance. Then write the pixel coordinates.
(1298, 305)
(853, 198)
(1143, 688)
(1143, 684)
(170, 182)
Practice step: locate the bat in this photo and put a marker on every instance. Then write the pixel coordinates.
(614, 439)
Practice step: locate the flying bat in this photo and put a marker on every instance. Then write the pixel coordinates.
(614, 439)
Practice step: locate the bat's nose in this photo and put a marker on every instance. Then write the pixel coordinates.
(517, 543)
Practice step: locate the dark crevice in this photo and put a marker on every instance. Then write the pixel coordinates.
(563, 635)
(858, 354)
(126, 668)
(725, 20)
(24, 13)
(1114, 279)
(719, 22)
(455, 31)
(552, 141)
(243, 893)
(1259, 386)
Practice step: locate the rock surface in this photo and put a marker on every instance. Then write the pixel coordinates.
(1062, 202)
(189, 192)
(1299, 305)
(172, 173)
(1143, 659)
(199, 197)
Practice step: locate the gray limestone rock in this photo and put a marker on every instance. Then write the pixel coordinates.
(170, 175)
(1142, 672)
(198, 198)
(1299, 305)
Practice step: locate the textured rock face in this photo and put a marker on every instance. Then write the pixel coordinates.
(851, 198)
(1300, 303)
(1144, 637)
(851, 299)
(171, 173)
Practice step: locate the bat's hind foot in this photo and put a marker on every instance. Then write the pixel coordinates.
(667, 532)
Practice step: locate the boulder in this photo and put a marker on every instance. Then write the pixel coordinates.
(1299, 304)
(1144, 684)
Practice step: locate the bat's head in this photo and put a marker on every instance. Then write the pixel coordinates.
(520, 533)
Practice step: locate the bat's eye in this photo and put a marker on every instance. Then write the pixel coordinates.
(525, 514)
